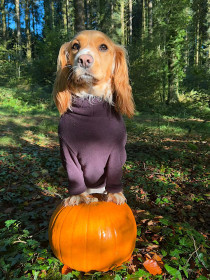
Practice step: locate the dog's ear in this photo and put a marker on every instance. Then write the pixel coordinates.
(61, 88)
(63, 56)
(122, 88)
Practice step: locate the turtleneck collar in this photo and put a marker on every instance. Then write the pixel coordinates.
(95, 106)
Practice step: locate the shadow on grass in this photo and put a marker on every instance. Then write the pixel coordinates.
(164, 174)
(168, 178)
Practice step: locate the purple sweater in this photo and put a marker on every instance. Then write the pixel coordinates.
(92, 143)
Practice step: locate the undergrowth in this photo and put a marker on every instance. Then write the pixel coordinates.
(165, 181)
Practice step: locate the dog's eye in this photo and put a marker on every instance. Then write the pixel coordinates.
(103, 47)
(76, 46)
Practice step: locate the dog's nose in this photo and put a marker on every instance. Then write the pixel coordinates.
(85, 60)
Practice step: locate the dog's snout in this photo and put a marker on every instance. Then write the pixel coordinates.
(85, 60)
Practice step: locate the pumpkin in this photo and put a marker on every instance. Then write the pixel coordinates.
(97, 236)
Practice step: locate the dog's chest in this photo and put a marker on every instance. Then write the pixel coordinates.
(92, 129)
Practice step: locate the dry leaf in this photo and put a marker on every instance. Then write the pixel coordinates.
(151, 247)
(152, 266)
(131, 269)
(65, 269)
(157, 258)
(150, 223)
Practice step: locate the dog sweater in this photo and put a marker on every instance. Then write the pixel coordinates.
(92, 139)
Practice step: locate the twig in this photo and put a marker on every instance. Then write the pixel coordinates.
(19, 241)
(192, 255)
(196, 251)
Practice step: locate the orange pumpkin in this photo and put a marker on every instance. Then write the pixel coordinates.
(96, 236)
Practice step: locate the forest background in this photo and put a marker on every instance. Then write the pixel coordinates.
(167, 42)
(165, 177)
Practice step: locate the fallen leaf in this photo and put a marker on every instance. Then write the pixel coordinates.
(131, 269)
(150, 223)
(151, 247)
(65, 269)
(158, 259)
(153, 267)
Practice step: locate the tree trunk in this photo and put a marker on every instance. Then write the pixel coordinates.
(28, 33)
(33, 17)
(130, 20)
(52, 14)
(64, 14)
(17, 10)
(150, 19)
(79, 15)
(122, 5)
(172, 92)
(87, 13)
(197, 52)
(4, 26)
(143, 18)
(112, 16)
(49, 14)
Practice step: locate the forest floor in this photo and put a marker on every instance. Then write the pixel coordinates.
(165, 182)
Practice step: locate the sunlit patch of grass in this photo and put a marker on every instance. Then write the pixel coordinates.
(38, 139)
(8, 141)
(25, 101)
(50, 125)
(167, 130)
(163, 125)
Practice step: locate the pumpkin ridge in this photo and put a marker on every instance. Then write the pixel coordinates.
(115, 238)
(61, 231)
(80, 207)
(59, 209)
(86, 232)
(55, 216)
(101, 215)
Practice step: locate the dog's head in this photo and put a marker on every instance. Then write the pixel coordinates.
(91, 63)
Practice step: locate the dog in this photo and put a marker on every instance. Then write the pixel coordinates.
(92, 92)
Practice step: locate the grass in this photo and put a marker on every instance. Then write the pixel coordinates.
(165, 181)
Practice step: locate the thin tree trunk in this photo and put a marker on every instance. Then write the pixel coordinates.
(17, 10)
(28, 33)
(150, 19)
(52, 13)
(163, 97)
(143, 17)
(79, 15)
(112, 16)
(172, 92)
(33, 18)
(130, 20)
(65, 16)
(122, 22)
(4, 26)
(197, 43)
(87, 13)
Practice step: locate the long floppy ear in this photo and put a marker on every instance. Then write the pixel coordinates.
(61, 88)
(123, 91)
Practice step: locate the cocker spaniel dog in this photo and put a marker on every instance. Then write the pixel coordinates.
(92, 92)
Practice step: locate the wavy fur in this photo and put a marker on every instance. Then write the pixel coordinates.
(66, 84)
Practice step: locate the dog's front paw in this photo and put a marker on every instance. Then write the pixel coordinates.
(80, 198)
(117, 198)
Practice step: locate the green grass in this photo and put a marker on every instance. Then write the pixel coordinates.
(165, 181)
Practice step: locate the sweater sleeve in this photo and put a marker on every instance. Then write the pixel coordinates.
(114, 166)
(73, 168)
